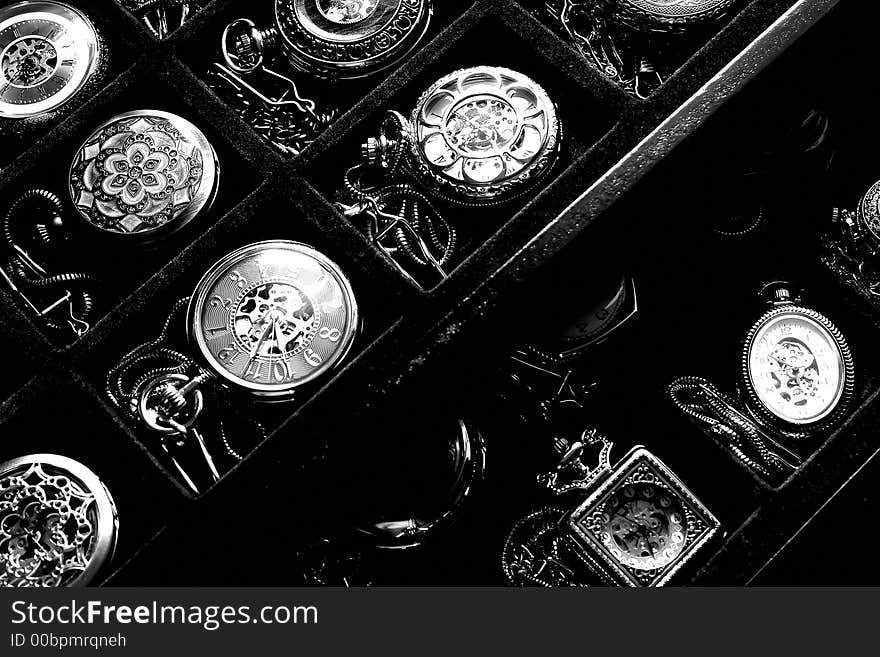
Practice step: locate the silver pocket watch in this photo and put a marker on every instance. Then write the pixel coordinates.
(58, 523)
(263, 322)
(851, 248)
(631, 524)
(49, 51)
(331, 40)
(477, 137)
(796, 381)
(136, 179)
(627, 39)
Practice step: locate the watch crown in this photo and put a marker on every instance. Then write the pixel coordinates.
(779, 292)
(371, 150)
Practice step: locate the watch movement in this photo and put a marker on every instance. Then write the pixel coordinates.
(58, 523)
(48, 52)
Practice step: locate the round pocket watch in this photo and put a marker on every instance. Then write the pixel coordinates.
(852, 248)
(633, 524)
(264, 321)
(48, 52)
(477, 137)
(631, 41)
(58, 523)
(143, 174)
(330, 38)
(796, 380)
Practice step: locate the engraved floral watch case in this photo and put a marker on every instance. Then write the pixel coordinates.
(483, 135)
(58, 522)
(48, 52)
(669, 15)
(143, 175)
(642, 524)
(869, 213)
(331, 38)
(272, 316)
(797, 369)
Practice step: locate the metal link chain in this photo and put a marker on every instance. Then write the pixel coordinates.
(703, 402)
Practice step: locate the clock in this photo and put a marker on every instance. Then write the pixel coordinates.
(641, 525)
(273, 316)
(58, 523)
(48, 52)
(797, 369)
(143, 175)
(668, 15)
(330, 38)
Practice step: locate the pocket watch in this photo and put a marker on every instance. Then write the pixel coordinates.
(325, 40)
(852, 245)
(264, 321)
(143, 174)
(330, 38)
(348, 559)
(58, 523)
(633, 524)
(796, 381)
(629, 40)
(477, 137)
(48, 52)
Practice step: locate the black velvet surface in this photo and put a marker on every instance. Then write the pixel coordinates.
(365, 443)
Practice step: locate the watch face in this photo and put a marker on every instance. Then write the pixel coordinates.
(644, 526)
(796, 366)
(350, 38)
(272, 316)
(641, 524)
(600, 319)
(48, 51)
(484, 133)
(145, 174)
(58, 523)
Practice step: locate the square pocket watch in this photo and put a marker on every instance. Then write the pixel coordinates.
(631, 524)
(641, 525)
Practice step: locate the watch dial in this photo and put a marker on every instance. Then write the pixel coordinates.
(796, 368)
(485, 127)
(346, 12)
(47, 53)
(643, 526)
(273, 315)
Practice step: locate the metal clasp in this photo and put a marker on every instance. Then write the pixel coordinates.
(571, 473)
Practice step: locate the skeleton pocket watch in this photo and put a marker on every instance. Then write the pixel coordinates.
(325, 39)
(264, 321)
(138, 178)
(49, 51)
(796, 381)
(629, 40)
(633, 524)
(477, 137)
(58, 523)
(852, 247)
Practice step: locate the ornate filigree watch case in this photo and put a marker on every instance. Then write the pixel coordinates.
(477, 137)
(48, 52)
(143, 174)
(330, 38)
(264, 321)
(852, 248)
(58, 523)
(796, 380)
(638, 525)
